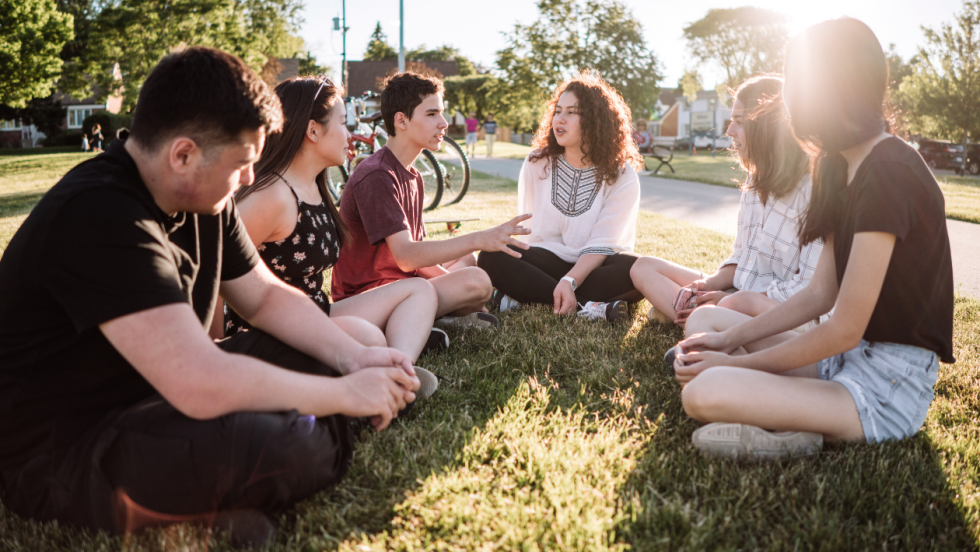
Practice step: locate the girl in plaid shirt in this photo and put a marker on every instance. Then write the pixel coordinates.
(768, 264)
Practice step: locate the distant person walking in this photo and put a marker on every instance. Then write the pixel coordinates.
(472, 126)
(97, 138)
(490, 128)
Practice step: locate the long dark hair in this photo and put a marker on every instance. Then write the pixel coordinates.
(836, 76)
(607, 127)
(772, 155)
(298, 108)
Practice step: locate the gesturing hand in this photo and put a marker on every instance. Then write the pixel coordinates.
(499, 237)
(379, 393)
(565, 301)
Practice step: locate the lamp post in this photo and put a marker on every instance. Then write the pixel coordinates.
(340, 24)
(401, 36)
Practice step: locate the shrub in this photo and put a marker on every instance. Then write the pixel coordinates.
(110, 122)
(67, 138)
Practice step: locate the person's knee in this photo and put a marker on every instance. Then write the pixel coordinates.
(704, 396)
(701, 320)
(362, 331)
(423, 289)
(740, 301)
(478, 285)
(644, 266)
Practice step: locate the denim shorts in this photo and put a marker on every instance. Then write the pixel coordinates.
(891, 384)
(471, 138)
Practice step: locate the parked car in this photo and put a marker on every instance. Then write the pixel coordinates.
(973, 159)
(942, 154)
(721, 142)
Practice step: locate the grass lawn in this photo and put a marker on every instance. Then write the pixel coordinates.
(559, 433)
(504, 150)
(962, 193)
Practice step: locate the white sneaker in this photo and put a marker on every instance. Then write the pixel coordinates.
(428, 383)
(743, 441)
(656, 316)
(503, 302)
(612, 312)
(478, 320)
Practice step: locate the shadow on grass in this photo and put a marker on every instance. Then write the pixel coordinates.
(849, 497)
(20, 203)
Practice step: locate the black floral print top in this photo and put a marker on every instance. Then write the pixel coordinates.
(300, 259)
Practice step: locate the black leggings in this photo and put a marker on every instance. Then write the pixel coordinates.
(533, 277)
(150, 464)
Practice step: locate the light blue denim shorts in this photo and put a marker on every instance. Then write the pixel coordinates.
(891, 384)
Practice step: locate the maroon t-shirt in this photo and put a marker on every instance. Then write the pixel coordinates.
(382, 198)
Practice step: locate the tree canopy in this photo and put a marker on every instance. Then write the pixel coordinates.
(378, 48)
(568, 37)
(941, 94)
(742, 41)
(32, 35)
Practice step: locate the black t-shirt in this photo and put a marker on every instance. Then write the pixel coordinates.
(96, 248)
(893, 191)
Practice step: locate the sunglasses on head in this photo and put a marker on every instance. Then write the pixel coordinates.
(323, 83)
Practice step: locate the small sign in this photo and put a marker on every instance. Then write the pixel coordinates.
(704, 120)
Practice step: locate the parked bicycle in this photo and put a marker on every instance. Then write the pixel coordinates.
(445, 173)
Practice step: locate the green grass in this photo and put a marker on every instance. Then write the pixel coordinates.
(558, 433)
(962, 193)
(18, 152)
(501, 150)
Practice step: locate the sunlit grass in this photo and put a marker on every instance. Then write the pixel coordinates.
(565, 434)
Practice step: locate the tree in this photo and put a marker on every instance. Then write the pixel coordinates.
(568, 37)
(137, 33)
(941, 95)
(32, 34)
(690, 85)
(308, 65)
(743, 41)
(476, 93)
(378, 48)
(443, 53)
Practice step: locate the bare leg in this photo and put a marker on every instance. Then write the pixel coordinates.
(710, 318)
(462, 262)
(404, 310)
(659, 281)
(751, 303)
(361, 330)
(462, 291)
(774, 402)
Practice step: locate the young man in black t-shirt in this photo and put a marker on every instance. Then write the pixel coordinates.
(116, 409)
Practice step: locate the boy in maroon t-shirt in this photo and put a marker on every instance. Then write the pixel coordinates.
(382, 207)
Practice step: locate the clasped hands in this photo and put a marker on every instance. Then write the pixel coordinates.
(697, 291)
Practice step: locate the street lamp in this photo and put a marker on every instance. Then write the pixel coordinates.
(340, 24)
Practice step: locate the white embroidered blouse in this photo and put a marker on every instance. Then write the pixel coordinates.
(767, 250)
(574, 215)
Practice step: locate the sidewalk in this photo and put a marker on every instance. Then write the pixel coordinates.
(716, 208)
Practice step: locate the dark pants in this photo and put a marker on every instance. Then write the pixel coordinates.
(149, 464)
(533, 277)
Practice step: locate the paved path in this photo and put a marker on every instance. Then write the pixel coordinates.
(716, 208)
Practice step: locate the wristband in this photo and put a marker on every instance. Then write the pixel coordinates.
(572, 281)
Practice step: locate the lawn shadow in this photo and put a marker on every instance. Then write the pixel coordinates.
(19, 203)
(850, 496)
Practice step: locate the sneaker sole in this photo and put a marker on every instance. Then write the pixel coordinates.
(437, 342)
(742, 441)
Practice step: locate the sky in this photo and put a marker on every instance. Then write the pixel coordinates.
(477, 28)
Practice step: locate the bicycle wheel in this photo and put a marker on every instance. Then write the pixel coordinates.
(336, 178)
(428, 167)
(455, 170)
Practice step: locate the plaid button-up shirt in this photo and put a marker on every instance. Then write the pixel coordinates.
(767, 250)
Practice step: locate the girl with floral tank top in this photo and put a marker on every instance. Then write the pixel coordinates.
(298, 232)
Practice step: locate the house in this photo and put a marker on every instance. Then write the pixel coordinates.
(363, 76)
(708, 115)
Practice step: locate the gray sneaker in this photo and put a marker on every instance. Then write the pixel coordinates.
(743, 441)
(478, 320)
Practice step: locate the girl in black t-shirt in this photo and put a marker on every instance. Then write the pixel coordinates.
(868, 372)
(298, 232)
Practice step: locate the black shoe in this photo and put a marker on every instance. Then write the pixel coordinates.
(495, 299)
(247, 528)
(438, 342)
(669, 361)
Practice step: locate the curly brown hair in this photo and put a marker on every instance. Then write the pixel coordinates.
(607, 130)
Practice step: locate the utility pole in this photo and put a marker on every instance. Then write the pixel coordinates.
(340, 24)
(401, 36)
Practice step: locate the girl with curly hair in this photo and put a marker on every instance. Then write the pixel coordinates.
(581, 185)
(768, 264)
